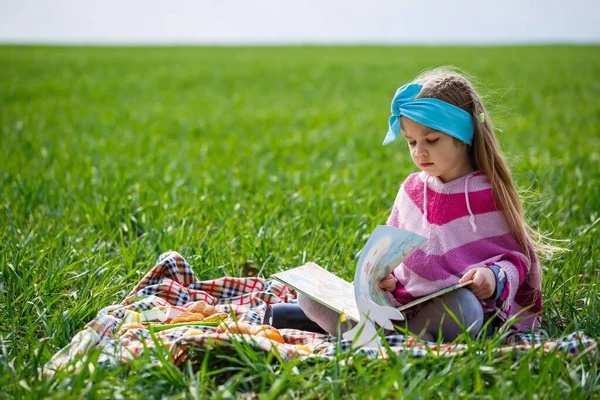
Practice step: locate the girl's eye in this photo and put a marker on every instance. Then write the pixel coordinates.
(411, 144)
(432, 141)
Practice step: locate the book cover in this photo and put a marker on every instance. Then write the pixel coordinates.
(385, 249)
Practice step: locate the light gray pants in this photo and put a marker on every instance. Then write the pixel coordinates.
(429, 320)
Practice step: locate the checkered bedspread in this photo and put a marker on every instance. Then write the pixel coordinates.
(172, 282)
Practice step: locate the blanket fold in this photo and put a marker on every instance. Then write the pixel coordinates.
(172, 282)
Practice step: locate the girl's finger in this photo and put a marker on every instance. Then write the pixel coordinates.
(467, 276)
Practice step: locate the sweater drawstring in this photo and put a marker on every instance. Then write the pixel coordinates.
(471, 215)
(425, 200)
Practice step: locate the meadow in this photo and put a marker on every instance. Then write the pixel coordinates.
(254, 160)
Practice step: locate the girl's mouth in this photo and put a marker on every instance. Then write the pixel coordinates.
(427, 164)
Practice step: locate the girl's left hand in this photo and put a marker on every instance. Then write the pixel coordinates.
(389, 283)
(484, 282)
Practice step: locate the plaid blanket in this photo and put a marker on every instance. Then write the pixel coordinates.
(172, 282)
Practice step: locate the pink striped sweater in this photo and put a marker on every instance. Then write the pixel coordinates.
(465, 231)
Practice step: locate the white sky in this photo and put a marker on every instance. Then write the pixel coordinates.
(299, 21)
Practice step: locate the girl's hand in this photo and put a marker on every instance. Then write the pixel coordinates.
(484, 282)
(389, 283)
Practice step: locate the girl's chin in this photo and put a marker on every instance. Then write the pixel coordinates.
(431, 173)
(429, 169)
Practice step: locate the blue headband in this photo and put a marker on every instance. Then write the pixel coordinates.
(434, 113)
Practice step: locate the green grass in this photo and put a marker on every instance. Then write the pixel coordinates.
(263, 158)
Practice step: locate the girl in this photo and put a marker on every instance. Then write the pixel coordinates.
(465, 202)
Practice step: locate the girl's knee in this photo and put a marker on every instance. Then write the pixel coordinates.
(314, 310)
(462, 302)
(308, 305)
(468, 310)
(463, 306)
(326, 318)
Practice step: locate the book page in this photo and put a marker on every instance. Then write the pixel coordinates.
(386, 248)
(322, 286)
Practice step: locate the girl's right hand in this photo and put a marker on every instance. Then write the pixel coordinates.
(389, 283)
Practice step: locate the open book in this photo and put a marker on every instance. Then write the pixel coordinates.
(386, 248)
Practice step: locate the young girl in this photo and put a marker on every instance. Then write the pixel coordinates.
(465, 202)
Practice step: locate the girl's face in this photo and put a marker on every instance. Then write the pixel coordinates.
(435, 152)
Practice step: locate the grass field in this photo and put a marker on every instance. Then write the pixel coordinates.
(258, 159)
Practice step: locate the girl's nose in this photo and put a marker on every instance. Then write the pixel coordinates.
(419, 150)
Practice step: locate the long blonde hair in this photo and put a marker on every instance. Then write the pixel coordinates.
(453, 87)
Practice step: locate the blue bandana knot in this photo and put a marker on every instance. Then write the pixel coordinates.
(434, 113)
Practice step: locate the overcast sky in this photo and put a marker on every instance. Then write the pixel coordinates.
(299, 21)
